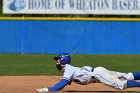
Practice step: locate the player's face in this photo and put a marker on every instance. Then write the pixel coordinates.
(58, 63)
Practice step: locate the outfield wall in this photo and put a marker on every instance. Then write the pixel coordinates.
(78, 37)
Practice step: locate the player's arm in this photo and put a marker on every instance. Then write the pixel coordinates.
(60, 85)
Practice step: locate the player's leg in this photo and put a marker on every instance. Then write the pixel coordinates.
(104, 76)
(136, 75)
(133, 83)
(127, 76)
(122, 76)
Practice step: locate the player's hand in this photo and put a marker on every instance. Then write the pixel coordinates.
(42, 90)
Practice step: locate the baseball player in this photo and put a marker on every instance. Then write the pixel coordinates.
(86, 75)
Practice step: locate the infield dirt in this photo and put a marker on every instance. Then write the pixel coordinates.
(28, 84)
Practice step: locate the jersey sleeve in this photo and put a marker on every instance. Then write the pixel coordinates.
(60, 85)
(68, 72)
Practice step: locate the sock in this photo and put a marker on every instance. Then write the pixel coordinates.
(136, 75)
(132, 83)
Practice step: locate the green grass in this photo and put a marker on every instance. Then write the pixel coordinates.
(35, 64)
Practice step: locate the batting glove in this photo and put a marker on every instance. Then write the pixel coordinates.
(42, 90)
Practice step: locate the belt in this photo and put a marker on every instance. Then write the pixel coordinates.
(92, 69)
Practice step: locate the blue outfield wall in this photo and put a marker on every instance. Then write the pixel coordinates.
(77, 37)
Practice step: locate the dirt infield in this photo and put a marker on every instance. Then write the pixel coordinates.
(28, 84)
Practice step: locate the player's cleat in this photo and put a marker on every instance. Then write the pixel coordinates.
(42, 90)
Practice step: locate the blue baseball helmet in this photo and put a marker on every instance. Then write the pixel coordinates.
(64, 58)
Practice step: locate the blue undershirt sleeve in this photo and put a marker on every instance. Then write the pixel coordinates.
(58, 86)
